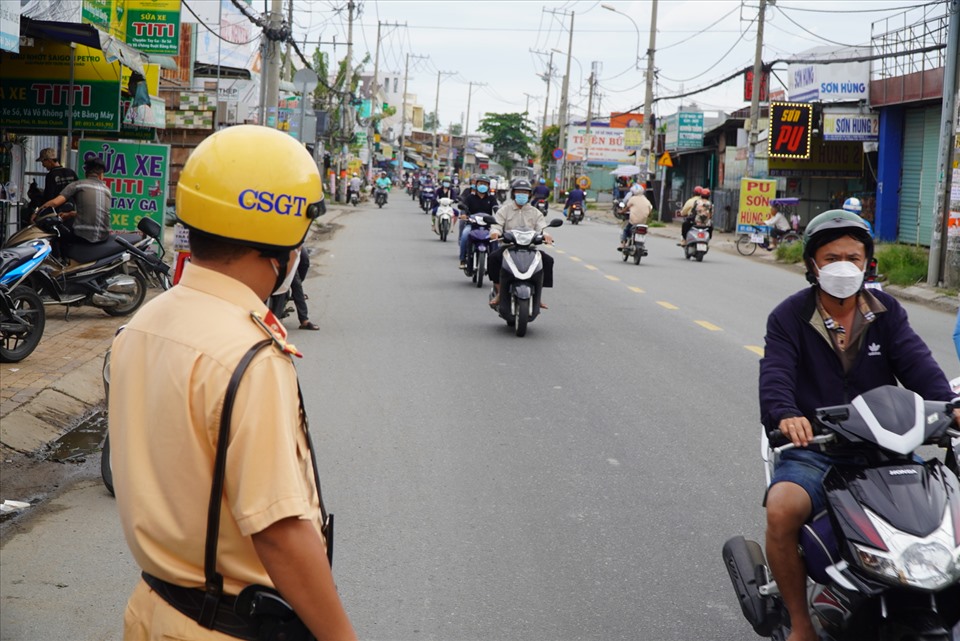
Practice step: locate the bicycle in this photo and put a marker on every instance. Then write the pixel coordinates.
(760, 237)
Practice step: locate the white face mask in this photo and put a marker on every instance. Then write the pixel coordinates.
(841, 279)
(291, 272)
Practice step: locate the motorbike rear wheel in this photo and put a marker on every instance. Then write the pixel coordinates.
(136, 299)
(746, 246)
(481, 268)
(17, 345)
(444, 230)
(699, 257)
(522, 316)
(637, 255)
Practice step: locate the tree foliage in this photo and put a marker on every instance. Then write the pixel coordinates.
(455, 129)
(510, 134)
(430, 121)
(549, 140)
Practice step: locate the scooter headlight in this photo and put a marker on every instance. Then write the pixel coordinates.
(929, 563)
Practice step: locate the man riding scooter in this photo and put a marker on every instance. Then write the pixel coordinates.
(517, 213)
(481, 201)
(576, 196)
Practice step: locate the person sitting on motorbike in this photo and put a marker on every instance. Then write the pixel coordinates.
(517, 213)
(384, 183)
(445, 190)
(540, 192)
(639, 208)
(89, 223)
(825, 345)
(354, 186)
(854, 206)
(691, 201)
(480, 201)
(575, 196)
(778, 224)
(700, 213)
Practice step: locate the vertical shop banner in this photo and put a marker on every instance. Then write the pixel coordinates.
(106, 15)
(137, 177)
(755, 197)
(790, 130)
(35, 88)
(153, 26)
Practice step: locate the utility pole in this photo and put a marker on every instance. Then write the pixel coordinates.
(586, 140)
(435, 157)
(564, 107)
(944, 262)
(403, 116)
(346, 109)
(755, 97)
(271, 66)
(649, 139)
(547, 77)
(374, 100)
(466, 127)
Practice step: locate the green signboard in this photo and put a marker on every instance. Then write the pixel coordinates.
(35, 89)
(137, 177)
(150, 26)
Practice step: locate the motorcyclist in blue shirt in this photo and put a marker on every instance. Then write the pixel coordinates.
(575, 196)
(540, 192)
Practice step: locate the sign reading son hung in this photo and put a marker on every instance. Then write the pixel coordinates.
(851, 126)
(790, 130)
(35, 89)
(137, 177)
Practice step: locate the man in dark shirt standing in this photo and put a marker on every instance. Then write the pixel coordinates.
(58, 176)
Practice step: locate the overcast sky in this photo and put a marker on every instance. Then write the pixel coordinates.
(493, 42)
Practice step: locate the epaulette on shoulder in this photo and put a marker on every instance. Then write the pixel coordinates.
(275, 331)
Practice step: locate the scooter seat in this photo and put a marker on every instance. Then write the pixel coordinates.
(16, 254)
(91, 253)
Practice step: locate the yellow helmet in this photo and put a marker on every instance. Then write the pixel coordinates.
(253, 185)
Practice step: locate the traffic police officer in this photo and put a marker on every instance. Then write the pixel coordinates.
(248, 214)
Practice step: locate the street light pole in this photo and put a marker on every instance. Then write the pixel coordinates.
(435, 158)
(648, 98)
(564, 107)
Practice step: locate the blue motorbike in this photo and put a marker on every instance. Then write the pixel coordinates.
(480, 248)
(22, 317)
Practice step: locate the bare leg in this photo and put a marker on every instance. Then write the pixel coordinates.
(788, 507)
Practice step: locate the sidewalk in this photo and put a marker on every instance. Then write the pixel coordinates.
(60, 384)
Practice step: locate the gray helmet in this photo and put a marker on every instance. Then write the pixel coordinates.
(520, 183)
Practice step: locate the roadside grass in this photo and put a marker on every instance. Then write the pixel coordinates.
(902, 264)
(790, 253)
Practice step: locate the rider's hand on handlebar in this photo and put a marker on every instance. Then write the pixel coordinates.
(797, 429)
(547, 238)
(494, 235)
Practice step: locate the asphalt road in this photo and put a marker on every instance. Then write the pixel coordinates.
(577, 483)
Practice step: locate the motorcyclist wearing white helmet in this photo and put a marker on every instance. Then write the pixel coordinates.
(639, 209)
(354, 186)
(854, 206)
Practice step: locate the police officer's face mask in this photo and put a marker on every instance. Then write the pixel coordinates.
(291, 272)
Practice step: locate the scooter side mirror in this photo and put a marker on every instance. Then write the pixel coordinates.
(149, 226)
(556, 222)
(490, 220)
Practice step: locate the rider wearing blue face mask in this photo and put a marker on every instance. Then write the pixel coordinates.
(481, 201)
(517, 213)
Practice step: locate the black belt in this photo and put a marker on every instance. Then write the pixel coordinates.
(189, 602)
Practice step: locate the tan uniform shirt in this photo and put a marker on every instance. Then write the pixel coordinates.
(510, 217)
(640, 209)
(688, 206)
(169, 373)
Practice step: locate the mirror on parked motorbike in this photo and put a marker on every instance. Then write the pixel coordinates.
(556, 222)
(149, 226)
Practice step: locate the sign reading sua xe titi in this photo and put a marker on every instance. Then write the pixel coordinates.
(790, 130)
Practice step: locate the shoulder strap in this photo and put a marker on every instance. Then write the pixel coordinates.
(214, 580)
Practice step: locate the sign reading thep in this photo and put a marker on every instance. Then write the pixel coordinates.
(790, 125)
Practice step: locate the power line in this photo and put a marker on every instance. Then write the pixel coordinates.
(710, 26)
(919, 6)
(711, 67)
(801, 27)
(216, 32)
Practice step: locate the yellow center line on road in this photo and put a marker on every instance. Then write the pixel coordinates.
(706, 325)
(591, 268)
(559, 251)
(755, 349)
(665, 304)
(613, 278)
(575, 259)
(637, 290)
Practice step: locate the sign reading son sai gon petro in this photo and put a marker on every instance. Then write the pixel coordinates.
(790, 130)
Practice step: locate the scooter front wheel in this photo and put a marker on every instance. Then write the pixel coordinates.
(17, 342)
(136, 298)
(481, 268)
(521, 316)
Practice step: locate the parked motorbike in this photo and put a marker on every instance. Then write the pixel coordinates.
(426, 198)
(698, 240)
(99, 275)
(575, 213)
(443, 220)
(480, 247)
(636, 247)
(380, 196)
(22, 317)
(883, 560)
(520, 304)
(149, 253)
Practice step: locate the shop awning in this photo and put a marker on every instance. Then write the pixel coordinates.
(84, 34)
(204, 70)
